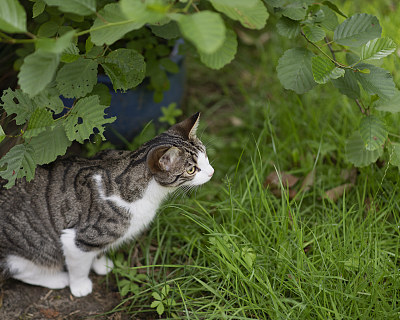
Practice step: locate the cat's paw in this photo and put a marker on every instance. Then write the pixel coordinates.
(57, 281)
(81, 288)
(102, 265)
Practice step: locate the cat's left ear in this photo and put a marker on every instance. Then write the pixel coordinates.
(163, 158)
(188, 127)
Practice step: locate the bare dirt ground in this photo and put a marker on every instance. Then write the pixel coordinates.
(23, 301)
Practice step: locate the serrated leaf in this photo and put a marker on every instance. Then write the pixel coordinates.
(357, 154)
(112, 25)
(156, 296)
(37, 71)
(324, 70)
(58, 45)
(205, 29)
(2, 134)
(19, 103)
(295, 70)
(391, 105)
(288, 28)
(79, 7)
(357, 30)
(50, 144)
(377, 49)
(38, 8)
(394, 156)
(49, 98)
(142, 11)
(313, 33)
(41, 119)
(84, 117)
(330, 21)
(167, 31)
(251, 14)
(224, 54)
(373, 132)
(101, 90)
(12, 16)
(70, 54)
(19, 162)
(348, 85)
(378, 81)
(77, 79)
(125, 67)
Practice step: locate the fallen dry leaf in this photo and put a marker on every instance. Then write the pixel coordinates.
(336, 193)
(349, 175)
(308, 181)
(49, 313)
(288, 180)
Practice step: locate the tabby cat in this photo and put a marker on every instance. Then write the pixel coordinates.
(55, 229)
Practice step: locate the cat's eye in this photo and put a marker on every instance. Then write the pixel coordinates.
(191, 170)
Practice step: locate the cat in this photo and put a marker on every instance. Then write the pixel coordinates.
(56, 228)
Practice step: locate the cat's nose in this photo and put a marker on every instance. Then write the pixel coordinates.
(211, 172)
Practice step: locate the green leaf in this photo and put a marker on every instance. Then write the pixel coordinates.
(19, 162)
(79, 7)
(313, 33)
(143, 12)
(205, 29)
(357, 154)
(112, 25)
(169, 65)
(48, 29)
(224, 54)
(38, 8)
(379, 81)
(58, 45)
(288, 28)
(330, 21)
(251, 14)
(101, 90)
(377, 49)
(50, 144)
(125, 67)
(49, 98)
(160, 309)
(2, 134)
(295, 70)
(295, 10)
(77, 79)
(394, 156)
(156, 296)
(37, 71)
(348, 85)
(391, 105)
(41, 119)
(357, 30)
(155, 304)
(70, 54)
(12, 16)
(373, 132)
(324, 70)
(334, 8)
(19, 103)
(167, 31)
(84, 117)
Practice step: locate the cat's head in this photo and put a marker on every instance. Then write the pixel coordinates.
(179, 157)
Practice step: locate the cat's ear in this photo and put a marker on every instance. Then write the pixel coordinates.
(188, 127)
(163, 158)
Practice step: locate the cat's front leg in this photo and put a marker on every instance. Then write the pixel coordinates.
(78, 264)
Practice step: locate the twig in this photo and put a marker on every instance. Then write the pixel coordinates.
(328, 43)
(360, 106)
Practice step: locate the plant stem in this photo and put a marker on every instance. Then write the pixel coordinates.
(328, 43)
(360, 106)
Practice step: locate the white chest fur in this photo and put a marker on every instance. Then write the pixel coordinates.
(142, 211)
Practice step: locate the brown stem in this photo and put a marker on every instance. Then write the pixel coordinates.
(328, 43)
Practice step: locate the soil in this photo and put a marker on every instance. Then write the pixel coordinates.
(23, 301)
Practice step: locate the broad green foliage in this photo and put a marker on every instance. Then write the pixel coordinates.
(69, 42)
(352, 74)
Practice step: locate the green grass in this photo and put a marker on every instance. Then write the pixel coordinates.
(232, 249)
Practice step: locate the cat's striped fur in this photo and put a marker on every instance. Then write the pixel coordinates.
(76, 209)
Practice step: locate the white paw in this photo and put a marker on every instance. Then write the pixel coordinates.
(58, 281)
(102, 265)
(81, 288)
